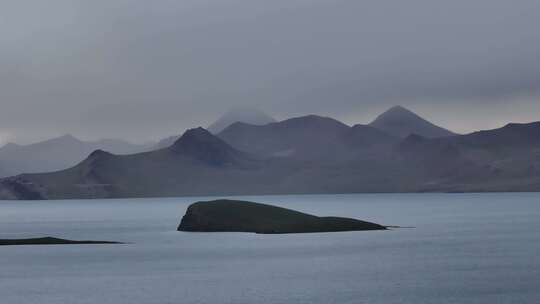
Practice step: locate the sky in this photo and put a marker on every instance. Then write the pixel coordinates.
(142, 70)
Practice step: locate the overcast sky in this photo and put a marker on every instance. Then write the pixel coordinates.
(144, 69)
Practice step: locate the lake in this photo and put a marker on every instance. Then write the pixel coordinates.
(465, 248)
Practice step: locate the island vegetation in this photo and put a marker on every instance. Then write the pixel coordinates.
(244, 216)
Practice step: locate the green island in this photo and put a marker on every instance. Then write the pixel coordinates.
(243, 216)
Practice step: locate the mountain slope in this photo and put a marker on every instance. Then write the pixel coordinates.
(504, 159)
(166, 142)
(401, 122)
(57, 153)
(196, 164)
(240, 114)
(302, 137)
(308, 138)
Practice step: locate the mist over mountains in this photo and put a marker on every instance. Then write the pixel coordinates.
(247, 115)
(238, 114)
(398, 152)
(66, 151)
(58, 153)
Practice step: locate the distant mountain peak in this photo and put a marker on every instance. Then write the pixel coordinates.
(203, 145)
(66, 137)
(243, 115)
(402, 122)
(312, 120)
(247, 115)
(299, 122)
(195, 135)
(399, 108)
(99, 153)
(398, 112)
(306, 137)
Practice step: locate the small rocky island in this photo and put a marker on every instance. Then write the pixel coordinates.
(48, 241)
(243, 216)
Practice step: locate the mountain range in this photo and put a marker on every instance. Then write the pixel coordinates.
(240, 114)
(66, 151)
(237, 114)
(306, 138)
(309, 154)
(57, 153)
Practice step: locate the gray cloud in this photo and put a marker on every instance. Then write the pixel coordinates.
(141, 70)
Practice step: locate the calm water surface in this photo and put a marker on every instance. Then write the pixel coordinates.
(466, 248)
